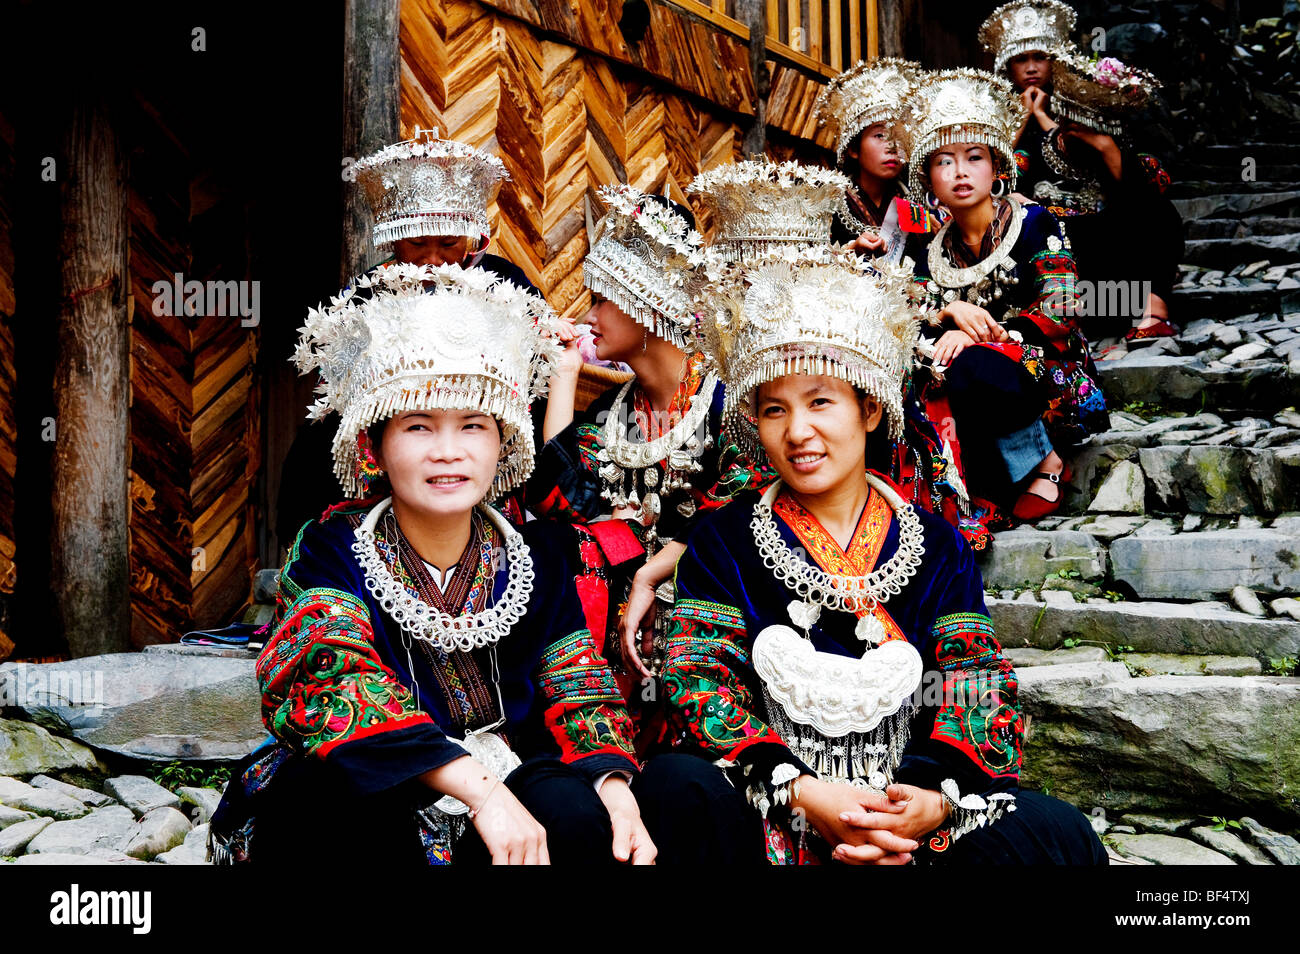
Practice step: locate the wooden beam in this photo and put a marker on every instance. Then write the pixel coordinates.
(795, 38)
(873, 30)
(89, 545)
(837, 45)
(774, 19)
(855, 30)
(815, 29)
(371, 112)
(715, 13)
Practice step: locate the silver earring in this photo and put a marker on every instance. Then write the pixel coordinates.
(931, 200)
(644, 339)
(999, 187)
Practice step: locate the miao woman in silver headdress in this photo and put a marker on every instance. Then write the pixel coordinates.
(431, 687)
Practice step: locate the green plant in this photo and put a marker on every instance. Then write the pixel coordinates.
(1223, 824)
(174, 775)
(1281, 665)
(1111, 651)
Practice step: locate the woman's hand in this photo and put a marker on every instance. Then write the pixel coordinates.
(924, 810)
(828, 806)
(563, 389)
(869, 243)
(512, 836)
(638, 622)
(951, 344)
(631, 840)
(638, 616)
(973, 320)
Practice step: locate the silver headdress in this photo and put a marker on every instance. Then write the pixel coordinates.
(866, 94)
(423, 337)
(1024, 25)
(642, 255)
(955, 106)
(1098, 94)
(429, 186)
(810, 311)
(762, 205)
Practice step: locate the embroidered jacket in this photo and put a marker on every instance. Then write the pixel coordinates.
(1042, 308)
(339, 684)
(970, 732)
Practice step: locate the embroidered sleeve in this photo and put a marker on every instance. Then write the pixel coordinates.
(1055, 278)
(327, 694)
(736, 474)
(565, 484)
(584, 709)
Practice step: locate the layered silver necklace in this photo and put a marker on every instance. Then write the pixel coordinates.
(421, 621)
(626, 464)
(982, 282)
(817, 588)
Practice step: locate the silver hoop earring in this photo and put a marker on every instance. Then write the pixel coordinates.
(999, 187)
(931, 200)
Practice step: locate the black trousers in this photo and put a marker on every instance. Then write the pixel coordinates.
(991, 396)
(695, 816)
(305, 817)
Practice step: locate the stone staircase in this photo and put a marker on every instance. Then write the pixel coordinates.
(1153, 621)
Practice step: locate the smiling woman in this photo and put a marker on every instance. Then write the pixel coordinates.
(806, 619)
(430, 670)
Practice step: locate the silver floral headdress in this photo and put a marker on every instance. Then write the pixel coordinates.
(865, 94)
(963, 105)
(642, 255)
(1100, 93)
(811, 310)
(761, 205)
(423, 337)
(1024, 25)
(429, 186)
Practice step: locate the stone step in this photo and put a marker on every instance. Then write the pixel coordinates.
(1227, 252)
(1192, 188)
(1191, 465)
(1185, 382)
(1149, 559)
(1224, 302)
(1250, 226)
(1218, 204)
(1101, 737)
(1151, 626)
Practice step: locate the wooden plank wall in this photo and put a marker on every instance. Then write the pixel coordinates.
(195, 441)
(567, 116)
(8, 381)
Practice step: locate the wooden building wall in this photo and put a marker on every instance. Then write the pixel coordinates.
(557, 92)
(195, 418)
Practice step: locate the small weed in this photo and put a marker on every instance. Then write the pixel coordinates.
(1111, 651)
(174, 775)
(1223, 824)
(1281, 665)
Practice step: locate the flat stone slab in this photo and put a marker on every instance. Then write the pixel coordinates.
(83, 795)
(1168, 850)
(108, 828)
(146, 705)
(161, 830)
(1025, 555)
(193, 851)
(39, 801)
(1155, 627)
(1226, 843)
(1171, 664)
(1283, 849)
(1207, 563)
(199, 803)
(1164, 744)
(15, 838)
(1158, 824)
(1025, 657)
(1217, 479)
(27, 749)
(140, 794)
(12, 816)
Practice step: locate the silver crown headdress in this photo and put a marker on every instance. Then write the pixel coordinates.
(1098, 94)
(429, 186)
(423, 337)
(641, 258)
(814, 310)
(866, 94)
(761, 205)
(1024, 25)
(962, 105)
